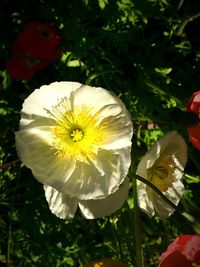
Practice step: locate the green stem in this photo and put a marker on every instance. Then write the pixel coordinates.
(9, 244)
(145, 181)
(189, 219)
(137, 230)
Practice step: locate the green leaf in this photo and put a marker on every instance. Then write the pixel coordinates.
(102, 3)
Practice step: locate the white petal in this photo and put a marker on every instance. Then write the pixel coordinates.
(35, 151)
(99, 208)
(119, 133)
(60, 205)
(45, 97)
(173, 144)
(174, 193)
(148, 160)
(144, 199)
(98, 99)
(95, 182)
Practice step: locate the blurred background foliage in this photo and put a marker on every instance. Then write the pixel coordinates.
(148, 53)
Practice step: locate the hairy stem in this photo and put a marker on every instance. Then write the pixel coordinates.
(137, 230)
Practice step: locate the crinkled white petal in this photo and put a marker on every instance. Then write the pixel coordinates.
(119, 132)
(150, 201)
(60, 204)
(103, 207)
(144, 200)
(34, 149)
(172, 143)
(174, 193)
(163, 209)
(40, 100)
(101, 177)
(98, 98)
(65, 207)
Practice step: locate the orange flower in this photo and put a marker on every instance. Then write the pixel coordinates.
(106, 263)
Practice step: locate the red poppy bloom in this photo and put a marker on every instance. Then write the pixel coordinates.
(39, 41)
(194, 131)
(33, 49)
(194, 103)
(194, 134)
(23, 68)
(184, 251)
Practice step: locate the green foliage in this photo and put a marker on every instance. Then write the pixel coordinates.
(148, 53)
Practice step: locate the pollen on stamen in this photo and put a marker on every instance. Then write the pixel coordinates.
(77, 133)
(162, 174)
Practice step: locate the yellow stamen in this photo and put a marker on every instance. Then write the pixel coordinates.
(77, 133)
(195, 265)
(162, 173)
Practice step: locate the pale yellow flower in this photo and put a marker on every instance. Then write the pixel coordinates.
(75, 139)
(163, 166)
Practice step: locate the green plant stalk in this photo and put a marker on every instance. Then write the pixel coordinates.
(189, 219)
(137, 229)
(9, 244)
(169, 202)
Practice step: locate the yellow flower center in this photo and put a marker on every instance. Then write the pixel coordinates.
(77, 132)
(76, 135)
(161, 174)
(195, 265)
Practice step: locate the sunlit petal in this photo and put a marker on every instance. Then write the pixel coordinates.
(99, 178)
(144, 202)
(103, 207)
(163, 166)
(34, 149)
(36, 104)
(60, 204)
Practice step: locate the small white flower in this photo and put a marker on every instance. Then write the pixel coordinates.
(75, 139)
(163, 166)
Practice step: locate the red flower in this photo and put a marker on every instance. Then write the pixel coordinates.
(33, 49)
(194, 103)
(194, 134)
(23, 68)
(184, 251)
(194, 131)
(39, 41)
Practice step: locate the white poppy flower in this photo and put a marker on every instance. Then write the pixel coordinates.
(65, 207)
(76, 139)
(163, 166)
